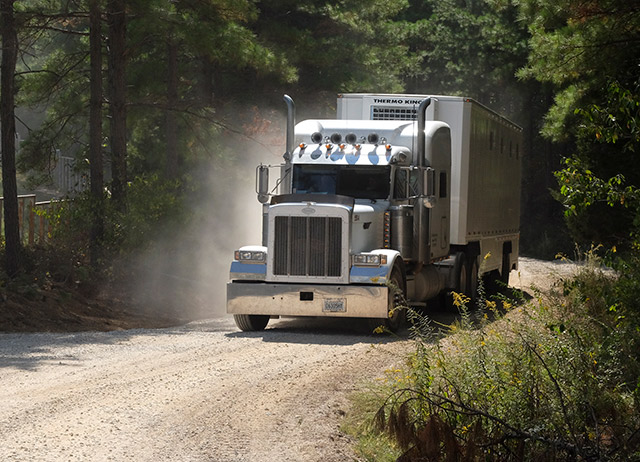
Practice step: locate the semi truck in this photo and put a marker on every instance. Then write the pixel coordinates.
(398, 200)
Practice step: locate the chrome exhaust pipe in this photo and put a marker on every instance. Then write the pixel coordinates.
(291, 124)
(422, 116)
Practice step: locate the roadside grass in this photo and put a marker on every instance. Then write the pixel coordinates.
(557, 378)
(372, 445)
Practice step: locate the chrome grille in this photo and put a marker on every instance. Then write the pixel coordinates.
(307, 246)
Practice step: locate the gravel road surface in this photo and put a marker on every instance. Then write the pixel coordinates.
(202, 392)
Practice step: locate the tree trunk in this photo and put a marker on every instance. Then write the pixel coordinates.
(95, 132)
(171, 131)
(7, 121)
(117, 93)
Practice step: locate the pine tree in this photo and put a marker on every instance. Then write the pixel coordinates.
(7, 123)
(96, 166)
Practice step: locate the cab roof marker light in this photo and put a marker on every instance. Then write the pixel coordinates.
(388, 146)
(342, 146)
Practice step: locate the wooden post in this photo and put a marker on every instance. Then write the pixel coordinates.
(32, 219)
(20, 216)
(41, 235)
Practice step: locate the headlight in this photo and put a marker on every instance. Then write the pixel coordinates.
(250, 256)
(369, 259)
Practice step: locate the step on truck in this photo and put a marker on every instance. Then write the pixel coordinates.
(400, 199)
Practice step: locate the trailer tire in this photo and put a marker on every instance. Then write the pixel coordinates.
(396, 304)
(251, 322)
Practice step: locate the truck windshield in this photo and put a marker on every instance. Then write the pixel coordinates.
(357, 182)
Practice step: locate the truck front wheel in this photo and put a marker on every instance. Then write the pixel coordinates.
(251, 322)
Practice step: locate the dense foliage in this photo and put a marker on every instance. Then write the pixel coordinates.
(590, 52)
(191, 65)
(557, 380)
(190, 87)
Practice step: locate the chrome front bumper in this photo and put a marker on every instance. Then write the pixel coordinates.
(351, 301)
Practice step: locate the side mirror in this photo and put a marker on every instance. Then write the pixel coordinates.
(262, 183)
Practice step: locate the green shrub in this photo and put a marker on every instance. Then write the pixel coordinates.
(556, 379)
(155, 207)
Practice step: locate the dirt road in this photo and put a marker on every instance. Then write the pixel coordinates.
(201, 392)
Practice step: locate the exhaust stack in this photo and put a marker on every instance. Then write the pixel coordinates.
(422, 116)
(291, 123)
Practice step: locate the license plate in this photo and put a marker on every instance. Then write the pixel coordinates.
(336, 305)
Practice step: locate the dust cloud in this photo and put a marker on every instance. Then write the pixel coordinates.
(186, 272)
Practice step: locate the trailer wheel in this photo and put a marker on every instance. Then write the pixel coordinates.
(251, 322)
(396, 307)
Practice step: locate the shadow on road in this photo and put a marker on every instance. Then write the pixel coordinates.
(320, 331)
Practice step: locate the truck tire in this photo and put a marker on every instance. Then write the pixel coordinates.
(471, 290)
(251, 322)
(396, 304)
(460, 272)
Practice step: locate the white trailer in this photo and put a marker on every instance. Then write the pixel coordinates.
(405, 192)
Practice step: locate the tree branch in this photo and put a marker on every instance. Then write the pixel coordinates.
(209, 118)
